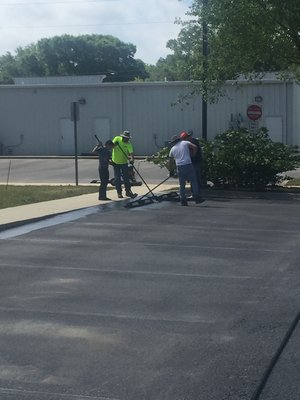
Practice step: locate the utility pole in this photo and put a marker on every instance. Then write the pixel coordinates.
(75, 118)
(205, 70)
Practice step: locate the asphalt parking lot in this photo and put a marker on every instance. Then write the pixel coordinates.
(161, 302)
(62, 170)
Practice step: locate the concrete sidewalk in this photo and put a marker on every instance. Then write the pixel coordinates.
(15, 216)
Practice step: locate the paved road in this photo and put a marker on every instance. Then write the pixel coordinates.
(161, 302)
(62, 170)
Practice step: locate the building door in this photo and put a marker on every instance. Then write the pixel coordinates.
(67, 146)
(274, 126)
(102, 129)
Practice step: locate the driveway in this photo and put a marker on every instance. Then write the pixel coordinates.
(62, 170)
(161, 302)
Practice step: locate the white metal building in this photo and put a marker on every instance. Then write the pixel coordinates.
(35, 119)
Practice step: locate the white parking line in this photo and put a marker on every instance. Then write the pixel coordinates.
(197, 227)
(131, 272)
(10, 391)
(38, 240)
(199, 247)
(192, 319)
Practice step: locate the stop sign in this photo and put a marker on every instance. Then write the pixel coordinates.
(254, 112)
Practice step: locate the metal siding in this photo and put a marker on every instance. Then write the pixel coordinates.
(149, 111)
(237, 101)
(101, 102)
(289, 113)
(29, 114)
(36, 114)
(145, 109)
(296, 115)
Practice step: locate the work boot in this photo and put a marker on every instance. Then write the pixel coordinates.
(130, 194)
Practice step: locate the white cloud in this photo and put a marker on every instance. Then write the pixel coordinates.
(148, 24)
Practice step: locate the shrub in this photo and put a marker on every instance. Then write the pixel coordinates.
(160, 158)
(239, 159)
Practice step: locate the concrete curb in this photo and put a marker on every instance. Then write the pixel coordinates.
(14, 217)
(17, 216)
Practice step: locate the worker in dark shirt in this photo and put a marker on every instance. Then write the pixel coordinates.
(104, 154)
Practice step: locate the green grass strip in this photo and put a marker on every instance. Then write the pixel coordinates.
(12, 196)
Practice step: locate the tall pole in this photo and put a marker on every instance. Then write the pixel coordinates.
(8, 173)
(76, 151)
(75, 118)
(205, 70)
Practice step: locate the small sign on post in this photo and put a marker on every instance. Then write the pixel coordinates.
(75, 118)
(254, 112)
(253, 126)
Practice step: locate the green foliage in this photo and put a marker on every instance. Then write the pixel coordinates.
(74, 55)
(160, 158)
(244, 37)
(239, 159)
(185, 63)
(170, 68)
(251, 36)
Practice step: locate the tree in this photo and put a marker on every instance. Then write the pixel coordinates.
(74, 55)
(181, 65)
(245, 37)
(252, 36)
(169, 68)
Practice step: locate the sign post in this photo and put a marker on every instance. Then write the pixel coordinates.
(75, 118)
(253, 126)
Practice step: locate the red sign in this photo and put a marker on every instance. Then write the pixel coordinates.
(254, 112)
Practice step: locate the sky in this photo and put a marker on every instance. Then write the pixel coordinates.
(148, 24)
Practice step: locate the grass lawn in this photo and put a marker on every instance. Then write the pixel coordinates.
(11, 196)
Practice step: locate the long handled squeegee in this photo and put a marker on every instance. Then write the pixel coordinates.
(98, 140)
(150, 191)
(144, 200)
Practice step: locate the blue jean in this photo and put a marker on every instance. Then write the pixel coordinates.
(187, 173)
(197, 168)
(104, 177)
(121, 170)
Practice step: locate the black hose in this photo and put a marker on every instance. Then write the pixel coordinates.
(275, 358)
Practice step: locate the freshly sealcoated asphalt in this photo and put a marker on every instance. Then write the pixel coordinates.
(161, 302)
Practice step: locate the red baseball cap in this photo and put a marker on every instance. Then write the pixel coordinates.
(184, 135)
